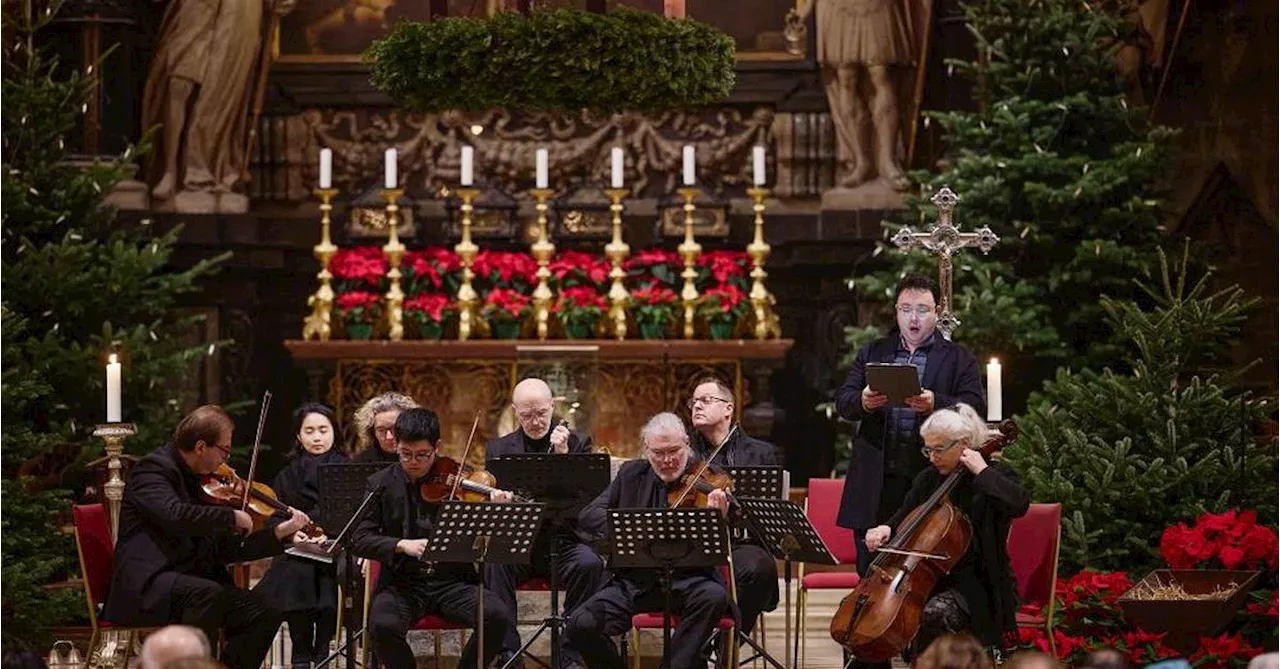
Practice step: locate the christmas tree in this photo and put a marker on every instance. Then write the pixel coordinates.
(1130, 453)
(78, 285)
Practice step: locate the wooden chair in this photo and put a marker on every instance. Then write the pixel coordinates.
(1033, 546)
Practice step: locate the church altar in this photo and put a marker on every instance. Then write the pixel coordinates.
(607, 388)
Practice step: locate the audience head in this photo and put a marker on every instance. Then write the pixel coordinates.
(203, 438)
(315, 425)
(21, 658)
(532, 402)
(172, 643)
(666, 445)
(1105, 659)
(1030, 659)
(376, 420)
(916, 302)
(954, 651)
(947, 432)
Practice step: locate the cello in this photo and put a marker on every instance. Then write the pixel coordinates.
(882, 615)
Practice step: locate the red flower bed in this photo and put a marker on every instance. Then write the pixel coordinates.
(361, 266)
(1235, 540)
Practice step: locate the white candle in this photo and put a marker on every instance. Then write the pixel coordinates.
(994, 408)
(542, 168)
(113, 389)
(689, 177)
(757, 166)
(326, 168)
(615, 172)
(391, 181)
(468, 157)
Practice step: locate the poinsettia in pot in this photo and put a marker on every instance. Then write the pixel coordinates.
(572, 269)
(506, 269)
(652, 268)
(580, 310)
(720, 268)
(505, 310)
(723, 307)
(432, 270)
(359, 268)
(655, 310)
(359, 311)
(431, 313)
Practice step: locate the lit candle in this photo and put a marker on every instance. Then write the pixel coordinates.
(113, 389)
(689, 177)
(326, 168)
(391, 181)
(468, 157)
(757, 166)
(542, 168)
(994, 408)
(615, 173)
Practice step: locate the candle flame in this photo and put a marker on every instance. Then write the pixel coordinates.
(994, 361)
(111, 359)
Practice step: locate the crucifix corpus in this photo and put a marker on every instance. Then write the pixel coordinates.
(944, 239)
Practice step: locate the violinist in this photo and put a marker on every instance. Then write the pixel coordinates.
(376, 426)
(395, 531)
(978, 595)
(754, 569)
(699, 596)
(305, 590)
(172, 548)
(581, 569)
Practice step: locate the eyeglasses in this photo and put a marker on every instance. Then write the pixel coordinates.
(532, 413)
(930, 452)
(918, 309)
(226, 450)
(666, 455)
(705, 401)
(420, 456)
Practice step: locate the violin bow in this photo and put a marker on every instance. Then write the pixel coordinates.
(461, 465)
(706, 464)
(257, 446)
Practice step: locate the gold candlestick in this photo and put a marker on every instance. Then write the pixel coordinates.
(394, 251)
(690, 250)
(762, 301)
(114, 435)
(542, 250)
(617, 250)
(317, 325)
(468, 299)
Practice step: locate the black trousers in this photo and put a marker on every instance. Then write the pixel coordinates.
(699, 600)
(248, 620)
(310, 633)
(756, 576)
(402, 602)
(581, 574)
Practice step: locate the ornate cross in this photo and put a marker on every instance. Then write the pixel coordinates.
(944, 239)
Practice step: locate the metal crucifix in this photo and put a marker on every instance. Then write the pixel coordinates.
(944, 239)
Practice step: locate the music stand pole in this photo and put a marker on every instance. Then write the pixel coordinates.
(481, 549)
(343, 543)
(791, 649)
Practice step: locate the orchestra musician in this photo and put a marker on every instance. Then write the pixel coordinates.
(581, 570)
(755, 571)
(376, 427)
(698, 595)
(395, 531)
(303, 589)
(173, 548)
(978, 595)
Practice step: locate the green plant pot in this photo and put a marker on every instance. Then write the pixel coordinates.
(580, 330)
(721, 330)
(364, 331)
(653, 330)
(505, 329)
(431, 330)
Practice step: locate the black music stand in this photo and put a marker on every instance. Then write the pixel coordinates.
(761, 482)
(667, 539)
(342, 544)
(786, 533)
(565, 482)
(481, 532)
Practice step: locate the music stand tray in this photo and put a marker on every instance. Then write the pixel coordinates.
(480, 532)
(565, 482)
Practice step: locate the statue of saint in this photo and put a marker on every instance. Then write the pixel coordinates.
(864, 46)
(199, 91)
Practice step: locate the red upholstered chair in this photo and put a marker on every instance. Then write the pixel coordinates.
(822, 506)
(97, 559)
(431, 623)
(1033, 552)
(648, 620)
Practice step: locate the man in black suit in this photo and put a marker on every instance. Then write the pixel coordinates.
(172, 549)
(395, 531)
(754, 569)
(698, 595)
(886, 451)
(581, 569)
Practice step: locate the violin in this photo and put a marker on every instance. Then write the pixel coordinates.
(224, 486)
(697, 484)
(878, 619)
(450, 480)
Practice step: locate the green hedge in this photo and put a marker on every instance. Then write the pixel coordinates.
(562, 60)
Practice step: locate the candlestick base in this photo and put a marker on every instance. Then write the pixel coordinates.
(114, 435)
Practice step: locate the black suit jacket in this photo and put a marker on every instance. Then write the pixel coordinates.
(166, 531)
(742, 450)
(951, 373)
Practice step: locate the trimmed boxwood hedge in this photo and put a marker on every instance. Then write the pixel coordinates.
(563, 60)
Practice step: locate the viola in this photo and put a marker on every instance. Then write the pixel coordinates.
(224, 486)
(878, 619)
(450, 480)
(697, 484)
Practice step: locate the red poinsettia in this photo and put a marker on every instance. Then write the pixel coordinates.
(653, 268)
(504, 304)
(726, 267)
(429, 308)
(431, 269)
(723, 304)
(1234, 539)
(506, 269)
(1087, 602)
(579, 309)
(358, 266)
(1227, 650)
(359, 307)
(656, 306)
(575, 268)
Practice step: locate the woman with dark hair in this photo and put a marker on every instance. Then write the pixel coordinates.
(304, 590)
